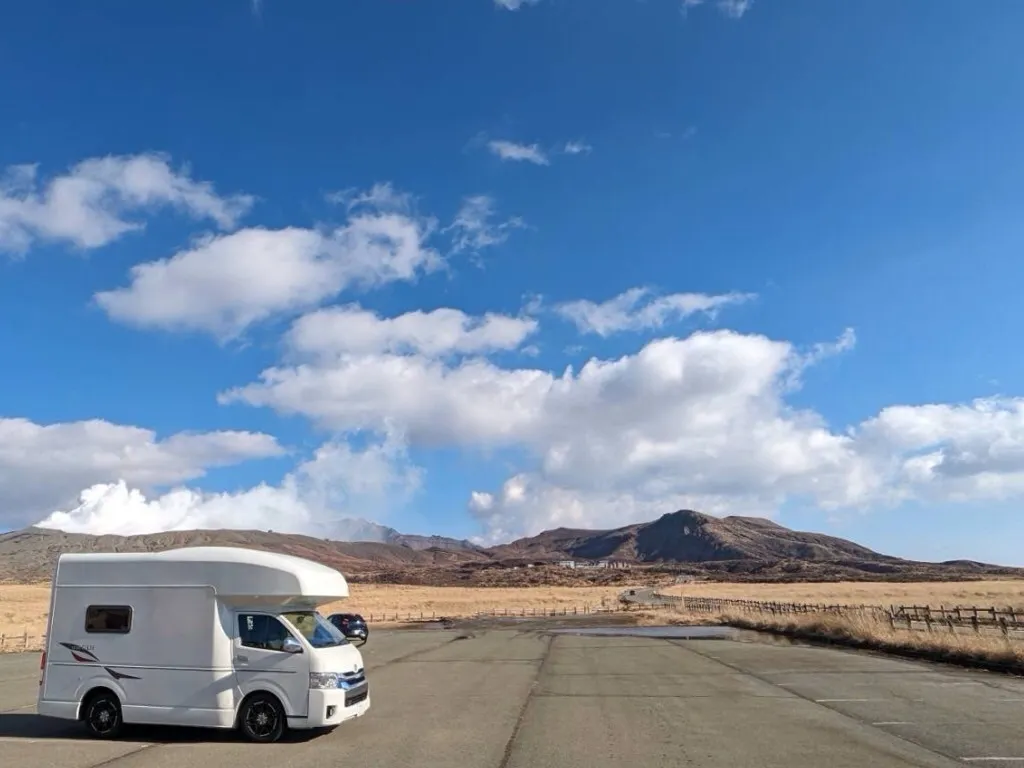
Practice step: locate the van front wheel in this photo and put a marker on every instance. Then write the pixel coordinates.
(102, 716)
(262, 718)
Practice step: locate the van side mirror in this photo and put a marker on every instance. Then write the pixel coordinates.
(291, 645)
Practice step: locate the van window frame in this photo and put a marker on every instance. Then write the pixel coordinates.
(104, 607)
(269, 615)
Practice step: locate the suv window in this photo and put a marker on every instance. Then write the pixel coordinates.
(257, 630)
(113, 619)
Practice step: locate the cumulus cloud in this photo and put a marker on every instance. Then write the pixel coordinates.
(92, 204)
(702, 415)
(638, 309)
(224, 284)
(318, 499)
(701, 421)
(513, 152)
(350, 330)
(45, 466)
(474, 227)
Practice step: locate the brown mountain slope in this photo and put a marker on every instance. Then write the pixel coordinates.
(690, 537)
(29, 555)
(728, 548)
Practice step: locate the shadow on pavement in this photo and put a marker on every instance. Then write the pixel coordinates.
(32, 727)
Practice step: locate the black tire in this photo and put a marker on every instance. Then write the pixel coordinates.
(102, 716)
(262, 718)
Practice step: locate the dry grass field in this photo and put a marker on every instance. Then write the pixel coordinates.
(23, 608)
(863, 631)
(981, 593)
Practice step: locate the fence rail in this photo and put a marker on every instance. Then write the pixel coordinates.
(23, 641)
(908, 616)
(978, 618)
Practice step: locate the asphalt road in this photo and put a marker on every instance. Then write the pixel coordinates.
(508, 698)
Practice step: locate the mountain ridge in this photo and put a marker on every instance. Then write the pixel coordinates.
(684, 541)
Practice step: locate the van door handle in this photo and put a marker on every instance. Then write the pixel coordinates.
(242, 659)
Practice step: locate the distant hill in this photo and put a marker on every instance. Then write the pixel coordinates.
(30, 555)
(685, 542)
(691, 537)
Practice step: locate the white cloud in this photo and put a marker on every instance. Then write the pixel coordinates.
(511, 151)
(699, 418)
(701, 421)
(318, 498)
(91, 205)
(350, 330)
(734, 9)
(577, 148)
(637, 309)
(513, 5)
(944, 451)
(382, 196)
(224, 284)
(45, 466)
(474, 227)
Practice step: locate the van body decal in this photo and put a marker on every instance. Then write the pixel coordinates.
(85, 656)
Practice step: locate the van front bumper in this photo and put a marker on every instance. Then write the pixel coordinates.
(328, 708)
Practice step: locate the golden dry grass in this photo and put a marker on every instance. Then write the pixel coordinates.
(981, 593)
(863, 630)
(23, 608)
(405, 600)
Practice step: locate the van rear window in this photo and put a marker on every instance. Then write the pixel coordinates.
(116, 619)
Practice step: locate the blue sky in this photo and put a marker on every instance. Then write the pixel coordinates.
(809, 211)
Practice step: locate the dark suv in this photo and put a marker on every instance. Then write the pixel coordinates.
(352, 626)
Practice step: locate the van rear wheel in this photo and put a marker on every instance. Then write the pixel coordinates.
(102, 715)
(262, 718)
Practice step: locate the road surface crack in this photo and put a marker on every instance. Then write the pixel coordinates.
(531, 694)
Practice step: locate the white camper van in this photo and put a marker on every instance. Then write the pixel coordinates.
(202, 636)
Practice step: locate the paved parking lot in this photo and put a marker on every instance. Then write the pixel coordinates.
(506, 698)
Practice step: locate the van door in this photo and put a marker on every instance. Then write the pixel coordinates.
(262, 664)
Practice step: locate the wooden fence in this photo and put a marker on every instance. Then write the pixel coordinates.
(898, 616)
(23, 641)
(12, 643)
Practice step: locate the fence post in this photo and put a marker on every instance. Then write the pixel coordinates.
(3, 640)
(24, 642)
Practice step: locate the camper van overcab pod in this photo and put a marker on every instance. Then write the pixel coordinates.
(203, 636)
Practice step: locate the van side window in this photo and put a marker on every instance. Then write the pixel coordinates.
(257, 630)
(111, 619)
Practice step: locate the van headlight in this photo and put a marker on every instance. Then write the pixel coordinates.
(323, 679)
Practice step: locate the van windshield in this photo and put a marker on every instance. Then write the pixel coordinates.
(315, 628)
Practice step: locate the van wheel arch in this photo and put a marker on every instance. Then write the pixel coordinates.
(269, 698)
